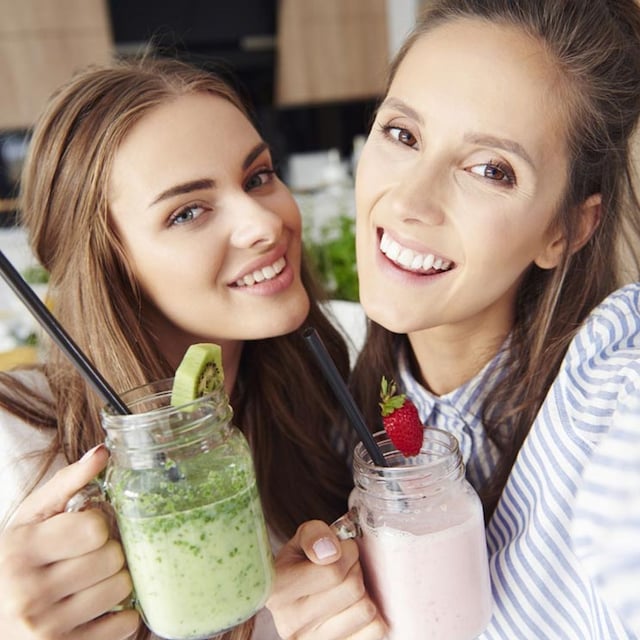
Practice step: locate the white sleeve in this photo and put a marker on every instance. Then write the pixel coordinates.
(349, 318)
(21, 447)
(606, 529)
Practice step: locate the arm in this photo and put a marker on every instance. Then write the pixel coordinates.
(319, 591)
(606, 532)
(60, 572)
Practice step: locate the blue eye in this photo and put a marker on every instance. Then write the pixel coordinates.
(187, 214)
(264, 176)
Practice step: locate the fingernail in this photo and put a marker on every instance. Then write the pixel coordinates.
(324, 548)
(91, 452)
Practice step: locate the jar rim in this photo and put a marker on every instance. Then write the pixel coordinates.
(440, 456)
(154, 397)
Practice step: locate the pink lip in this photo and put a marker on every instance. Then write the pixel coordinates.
(269, 287)
(410, 244)
(259, 263)
(395, 271)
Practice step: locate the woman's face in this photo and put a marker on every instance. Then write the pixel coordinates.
(212, 235)
(459, 181)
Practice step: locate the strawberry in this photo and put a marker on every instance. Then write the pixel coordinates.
(400, 419)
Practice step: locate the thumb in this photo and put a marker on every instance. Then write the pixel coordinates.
(318, 542)
(51, 498)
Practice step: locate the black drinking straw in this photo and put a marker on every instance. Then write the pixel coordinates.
(58, 334)
(341, 391)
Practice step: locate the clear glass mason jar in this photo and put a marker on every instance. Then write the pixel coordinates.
(183, 488)
(420, 529)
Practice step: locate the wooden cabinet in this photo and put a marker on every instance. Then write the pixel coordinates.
(42, 42)
(330, 50)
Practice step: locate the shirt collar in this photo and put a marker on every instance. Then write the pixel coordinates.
(463, 403)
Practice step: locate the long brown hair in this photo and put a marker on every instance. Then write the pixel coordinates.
(280, 400)
(596, 49)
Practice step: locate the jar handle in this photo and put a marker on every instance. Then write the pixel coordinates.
(91, 495)
(347, 526)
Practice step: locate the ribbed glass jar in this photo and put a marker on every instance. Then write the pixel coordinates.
(182, 483)
(420, 530)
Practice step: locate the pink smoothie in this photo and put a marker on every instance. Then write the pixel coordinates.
(430, 584)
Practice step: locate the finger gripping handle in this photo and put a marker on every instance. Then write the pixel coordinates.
(91, 495)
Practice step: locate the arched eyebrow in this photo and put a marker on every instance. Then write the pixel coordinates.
(185, 187)
(403, 107)
(207, 183)
(254, 153)
(506, 144)
(483, 139)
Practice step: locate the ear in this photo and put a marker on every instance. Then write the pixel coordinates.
(588, 219)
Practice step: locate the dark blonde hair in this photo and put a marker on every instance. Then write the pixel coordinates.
(595, 46)
(280, 400)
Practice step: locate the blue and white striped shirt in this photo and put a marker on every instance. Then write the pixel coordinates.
(551, 579)
(606, 521)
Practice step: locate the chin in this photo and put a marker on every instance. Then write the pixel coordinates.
(288, 318)
(384, 313)
(395, 325)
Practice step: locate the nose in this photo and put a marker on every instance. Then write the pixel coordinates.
(416, 196)
(255, 226)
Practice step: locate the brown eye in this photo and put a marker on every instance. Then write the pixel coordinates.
(495, 171)
(406, 137)
(403, 136)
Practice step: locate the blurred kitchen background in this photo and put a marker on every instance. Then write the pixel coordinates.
(313, 70)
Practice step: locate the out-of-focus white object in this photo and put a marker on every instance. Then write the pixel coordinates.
(335, 173)
(358, 144)
(306, 171)
(401, 18)
(351, 321)
(16, 322)
(331, 195)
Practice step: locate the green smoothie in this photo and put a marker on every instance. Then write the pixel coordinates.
(199, 570)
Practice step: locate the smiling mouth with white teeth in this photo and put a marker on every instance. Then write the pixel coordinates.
(260, 275)
(411, 260)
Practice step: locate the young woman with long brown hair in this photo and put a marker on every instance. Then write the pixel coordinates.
(497, 218)
(152, 201)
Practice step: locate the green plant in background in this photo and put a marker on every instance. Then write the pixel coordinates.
(36, 274)
(333, 255)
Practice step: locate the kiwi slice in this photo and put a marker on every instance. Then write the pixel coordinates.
(199, 373)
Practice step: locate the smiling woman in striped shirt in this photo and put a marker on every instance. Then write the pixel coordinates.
(494, 194)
